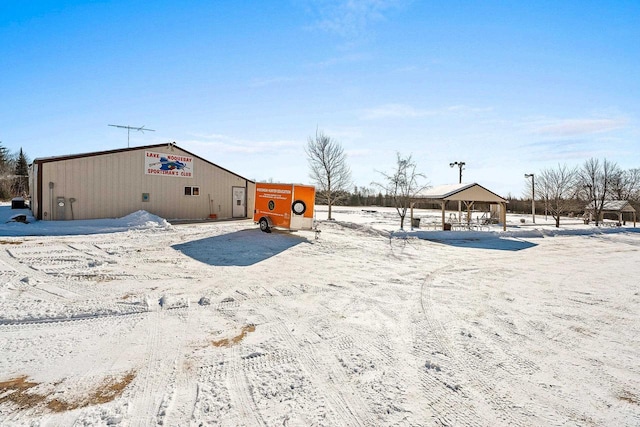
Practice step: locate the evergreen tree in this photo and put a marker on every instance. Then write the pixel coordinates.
(4, 155)
(5, 173)
(21, 181)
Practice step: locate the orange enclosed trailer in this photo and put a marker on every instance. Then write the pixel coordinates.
(287, 206)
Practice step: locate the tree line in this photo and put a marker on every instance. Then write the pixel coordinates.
(584, 189)
(558, 191)
(14, 174)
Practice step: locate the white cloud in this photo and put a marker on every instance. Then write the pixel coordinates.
(226, 144)
(404, 111)
(573, 127)
(468, 109)
(351, 18)
(345, 59)
(363, 152)
(395, 111)
(262, 82)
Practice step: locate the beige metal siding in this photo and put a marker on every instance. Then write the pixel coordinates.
(111, 186)
(251, 198)
(476, 193)
(33, 187)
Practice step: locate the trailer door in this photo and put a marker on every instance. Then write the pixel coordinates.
(239, 202)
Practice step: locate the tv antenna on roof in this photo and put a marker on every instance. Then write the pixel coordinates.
(130, 128)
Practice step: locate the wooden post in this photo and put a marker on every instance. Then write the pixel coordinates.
(469, 205)
(443, 203)
(411, 219)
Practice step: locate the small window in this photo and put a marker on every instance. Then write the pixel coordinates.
(191, 191)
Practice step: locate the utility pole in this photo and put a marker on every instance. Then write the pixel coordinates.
(533, 195)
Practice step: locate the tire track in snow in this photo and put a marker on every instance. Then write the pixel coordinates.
(25, 274)
(239, 391)
(27, 324)
(273, 379)
(62, 261)
(346, 405)
(179, 401)
(298, 364)
(50, 259)
(143, 403)
(369, 354)
(283, 390)
(212, 404)
(435, 353)
(509, 353)
(464, 381)
(372, 368)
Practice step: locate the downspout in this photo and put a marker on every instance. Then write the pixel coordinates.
(37, 167)
(246, 198)
(51, 200)
(71, 200)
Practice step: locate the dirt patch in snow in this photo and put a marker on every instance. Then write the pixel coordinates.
(228, 342)
(16, 391)
(10, 242)
(629, 398)
(109, 390)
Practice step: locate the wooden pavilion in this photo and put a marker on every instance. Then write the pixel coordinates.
(618, 207)
(466, 193)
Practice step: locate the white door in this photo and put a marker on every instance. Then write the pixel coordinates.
(239, 202)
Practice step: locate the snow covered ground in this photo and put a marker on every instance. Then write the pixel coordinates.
(136, 322)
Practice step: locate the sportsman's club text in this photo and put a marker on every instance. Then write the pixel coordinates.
(175, 172)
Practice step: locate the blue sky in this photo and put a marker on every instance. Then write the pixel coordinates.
(507, 87)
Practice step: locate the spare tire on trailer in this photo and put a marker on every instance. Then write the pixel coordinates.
(299, 207)
(264, 225)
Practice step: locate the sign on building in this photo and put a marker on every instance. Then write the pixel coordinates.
(164, 164)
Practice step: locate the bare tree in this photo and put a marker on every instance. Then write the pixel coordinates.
(557, 187)
(402, 185)
(596, 182)
(633, 184)
(329, 170)
(625, 185)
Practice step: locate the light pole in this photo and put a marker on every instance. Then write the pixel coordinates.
(533, 195)
(592, 204)
(460, 166)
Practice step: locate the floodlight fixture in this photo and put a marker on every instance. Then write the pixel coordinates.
(460, 166)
